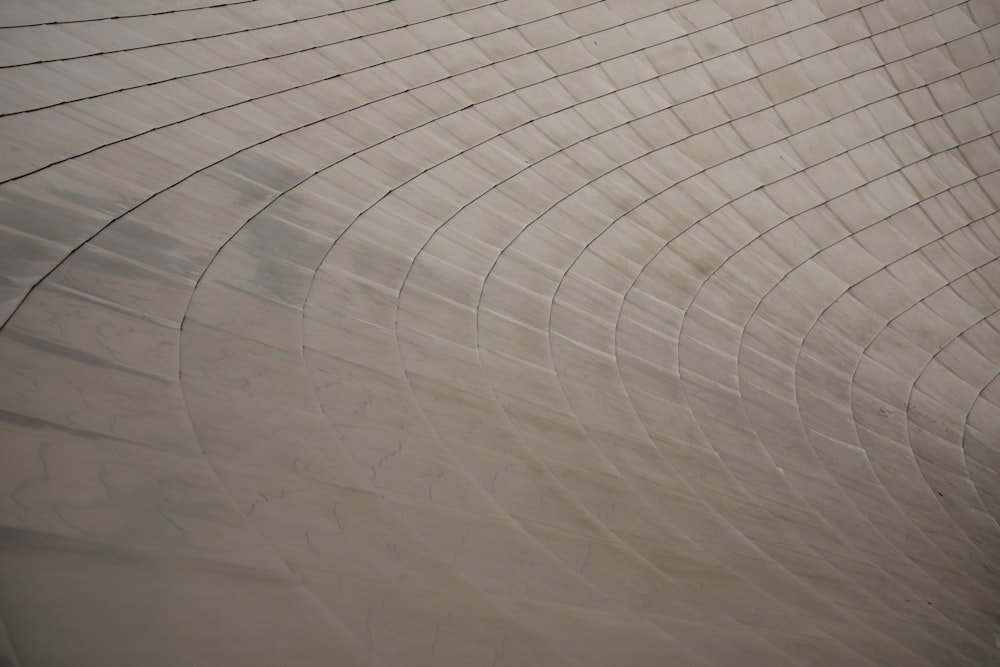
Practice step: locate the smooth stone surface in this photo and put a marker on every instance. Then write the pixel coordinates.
(559, 332)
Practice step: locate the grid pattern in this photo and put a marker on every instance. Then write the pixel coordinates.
(516, 332)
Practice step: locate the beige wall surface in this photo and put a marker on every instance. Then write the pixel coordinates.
(499, 333)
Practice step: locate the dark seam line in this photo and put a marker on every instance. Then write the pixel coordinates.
(360, 38)
(131, 16)
(316, 122)
(241, 32)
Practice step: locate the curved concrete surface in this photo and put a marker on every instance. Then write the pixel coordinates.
(499, 332)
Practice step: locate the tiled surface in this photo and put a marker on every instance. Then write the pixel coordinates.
(527, 332)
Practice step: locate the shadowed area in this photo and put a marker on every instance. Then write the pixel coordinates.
(499, 333)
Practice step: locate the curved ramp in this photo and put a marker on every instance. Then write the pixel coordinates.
(517, 332)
